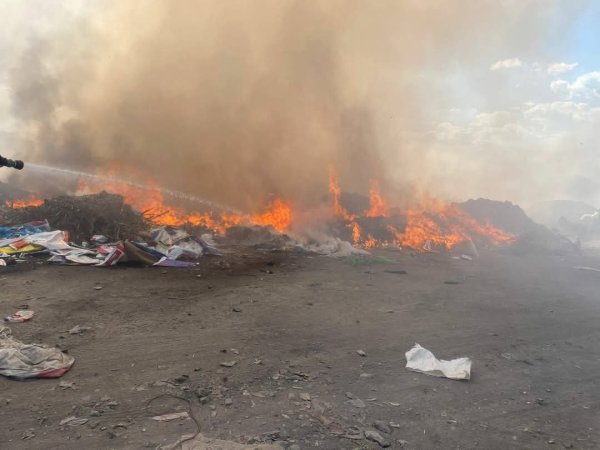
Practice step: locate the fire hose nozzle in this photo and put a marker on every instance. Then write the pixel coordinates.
(14, 163)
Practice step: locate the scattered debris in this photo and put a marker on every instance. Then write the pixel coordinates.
(21, 361)
(28, 434)
(422, 360)
(172, 416)
(78, 329)
(19, 316)
(357, 403)
(201, 442)
(228, 363)
(73, 421)
(376, 437)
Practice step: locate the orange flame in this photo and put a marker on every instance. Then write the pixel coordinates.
(151, 203)
(446, 226)
(378, 207)
(279, 216)
(24, 203)
(336, 195)
(431, 225)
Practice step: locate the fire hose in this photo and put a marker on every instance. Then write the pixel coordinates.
(14, 163)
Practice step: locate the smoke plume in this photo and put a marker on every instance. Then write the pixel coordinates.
(239, 100)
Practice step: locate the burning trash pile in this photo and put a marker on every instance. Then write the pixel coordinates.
(136, 224)
(115, 233)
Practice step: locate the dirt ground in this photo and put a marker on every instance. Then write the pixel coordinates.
(292, 324)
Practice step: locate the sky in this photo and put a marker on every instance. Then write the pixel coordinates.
(496, 99)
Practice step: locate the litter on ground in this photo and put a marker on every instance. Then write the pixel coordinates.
(420, 359)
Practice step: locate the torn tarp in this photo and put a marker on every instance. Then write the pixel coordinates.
(19, 360)
(26, 229)
(179, 242)
(47, 240)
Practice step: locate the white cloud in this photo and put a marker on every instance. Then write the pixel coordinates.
(580, 112)
(586, 86)
(506, 64)
(561, 67)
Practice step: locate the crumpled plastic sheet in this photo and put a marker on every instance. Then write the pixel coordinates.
(25, 229)
(420, 359)
(48, 240)
(22, 361)
(176, 241)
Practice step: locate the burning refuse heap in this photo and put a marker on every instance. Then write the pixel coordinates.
(81, 216)
(433, 225)
(367, 223)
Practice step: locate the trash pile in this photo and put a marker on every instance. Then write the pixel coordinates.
(164, 246)
(83, 216)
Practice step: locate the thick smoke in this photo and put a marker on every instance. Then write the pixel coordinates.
(239, 100)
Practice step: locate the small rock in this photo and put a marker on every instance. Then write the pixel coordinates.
(98, 288)
(228, 402)
(94, 413)
(394, 425)
(228, 363)
(181, 379)
(236, 309)
(551, 441)
(376, 437)
(358, 403)
(350, 395)
(28, 434)
(65, 385)
(366, 375)
(203, 392)
(382, 426)
(78, 329)
(305, 396)
(361, 353)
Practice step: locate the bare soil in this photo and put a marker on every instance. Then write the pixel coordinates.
(292, 324)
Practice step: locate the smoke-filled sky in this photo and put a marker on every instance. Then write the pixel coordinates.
(237, 100)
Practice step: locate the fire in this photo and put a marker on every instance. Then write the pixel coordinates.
(279, 216)
(339, 210)
(445, 226)
(151, 202)
(431, 225)
(336, 197)
(378, 207)
(23, 203)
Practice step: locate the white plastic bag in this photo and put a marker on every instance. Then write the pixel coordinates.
(422, 360)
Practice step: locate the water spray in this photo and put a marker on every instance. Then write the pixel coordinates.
(109, 179)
